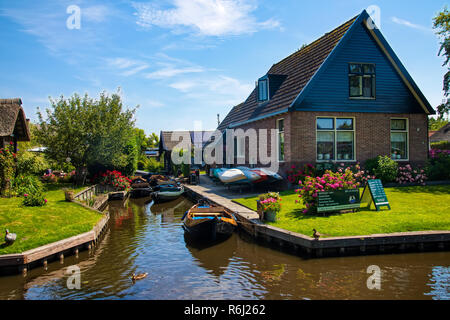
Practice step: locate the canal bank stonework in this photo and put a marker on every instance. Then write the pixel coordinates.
(400, 242)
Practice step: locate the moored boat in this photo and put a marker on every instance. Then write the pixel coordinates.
(209, 222)
(167, 192)
(231, 175)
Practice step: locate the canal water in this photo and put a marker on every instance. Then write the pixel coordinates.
(142, 237)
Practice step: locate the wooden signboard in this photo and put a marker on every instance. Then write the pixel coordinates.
(374, 191)
(338, 200)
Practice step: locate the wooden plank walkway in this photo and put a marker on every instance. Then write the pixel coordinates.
(336, 246)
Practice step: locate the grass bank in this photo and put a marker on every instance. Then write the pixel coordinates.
(413, 209)
(37, 226)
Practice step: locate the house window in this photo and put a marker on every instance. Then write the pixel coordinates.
(335, 139)
(263, 92)
(280, 127)
(239, 147)
(399, 139)
(362, 80)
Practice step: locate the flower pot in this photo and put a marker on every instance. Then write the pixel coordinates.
(270, 216)
(69, 195)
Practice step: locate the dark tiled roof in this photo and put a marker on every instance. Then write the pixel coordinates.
(169, 139)
(299, 68)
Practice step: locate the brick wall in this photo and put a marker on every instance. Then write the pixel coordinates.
(372, 135)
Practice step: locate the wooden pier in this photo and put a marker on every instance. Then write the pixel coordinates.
(337, 246)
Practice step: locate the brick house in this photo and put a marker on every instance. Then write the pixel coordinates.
(345, 97)
(442, 134)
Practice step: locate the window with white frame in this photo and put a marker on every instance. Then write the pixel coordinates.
(239, 146)
(399, 139)
(280, 128)
(335, 139)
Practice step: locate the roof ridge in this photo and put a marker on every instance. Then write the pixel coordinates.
(308, 46)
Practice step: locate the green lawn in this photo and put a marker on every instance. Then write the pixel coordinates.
(37, 226)
(413, 209)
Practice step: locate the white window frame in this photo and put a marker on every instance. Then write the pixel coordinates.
(240, 147)
(399, 131)
(278, 140)
(335, 138)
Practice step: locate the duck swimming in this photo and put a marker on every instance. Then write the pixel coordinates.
(140, 276)
(10, 237)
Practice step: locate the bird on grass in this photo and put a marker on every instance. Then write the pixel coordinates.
(140, 276)
(10, 237)
(317, 235)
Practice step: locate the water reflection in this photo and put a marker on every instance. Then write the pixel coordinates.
(147, 237)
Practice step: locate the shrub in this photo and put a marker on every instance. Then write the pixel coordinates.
(408, 174)
(116, 179)
(295, 175)
(7, 167)
(310, 188)
(34, 200)
(26, 184)
(28, 163)
(441, 145)
(49, 178)
(438, 165)
(383, 168)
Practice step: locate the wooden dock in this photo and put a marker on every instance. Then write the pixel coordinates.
(337, 246)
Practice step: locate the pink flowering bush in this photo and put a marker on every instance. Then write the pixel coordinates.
(408, 174)
(271, 204)
(35, 199)
(295, 175)
(311, 187)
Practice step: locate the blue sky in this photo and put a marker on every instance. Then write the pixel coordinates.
(184, 61)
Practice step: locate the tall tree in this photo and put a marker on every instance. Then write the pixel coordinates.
(87, 132)
(442, 24)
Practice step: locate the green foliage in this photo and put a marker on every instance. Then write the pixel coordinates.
(7, 167)
(387, 169)
(184, 167)
(442, 24)
(438, 165)
(153, 165)
(434, 124)
(87, 132)
(153, 140)
(383, 168)
(35, 199)
(26, 184)
(441, 145)
(29, 163)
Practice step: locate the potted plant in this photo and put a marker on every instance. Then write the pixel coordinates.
(69, 193)
(269, 205)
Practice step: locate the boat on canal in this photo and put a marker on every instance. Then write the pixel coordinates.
(167, 192)
(209, 222)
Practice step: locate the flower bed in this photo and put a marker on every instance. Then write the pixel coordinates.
(115, 179)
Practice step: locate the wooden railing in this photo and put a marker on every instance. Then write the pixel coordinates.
(89, 193)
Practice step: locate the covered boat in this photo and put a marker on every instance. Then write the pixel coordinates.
(167, 192)
(231, 175)
(209, 221)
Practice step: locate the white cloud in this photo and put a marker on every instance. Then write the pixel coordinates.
(410, 24)
(95, 13)
(127, 66)
(205, 17)
(221, 90)
(169, 72)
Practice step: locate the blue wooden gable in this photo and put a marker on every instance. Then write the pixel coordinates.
(328, 89)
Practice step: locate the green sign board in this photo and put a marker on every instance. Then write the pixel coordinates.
(338, 200)
(374, 191)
